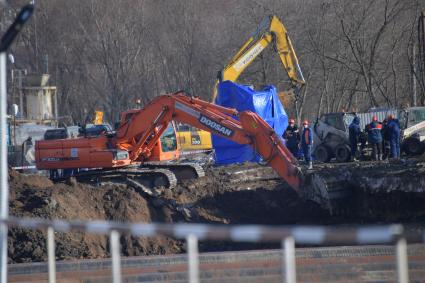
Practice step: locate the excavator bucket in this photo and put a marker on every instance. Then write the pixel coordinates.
(327, 188)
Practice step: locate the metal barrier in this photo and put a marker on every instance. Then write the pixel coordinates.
(287, 235)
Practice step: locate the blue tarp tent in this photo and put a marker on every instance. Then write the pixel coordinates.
(265, 103)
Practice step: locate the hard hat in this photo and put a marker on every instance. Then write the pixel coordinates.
(305, 122)
(374, 119)
(291, 121)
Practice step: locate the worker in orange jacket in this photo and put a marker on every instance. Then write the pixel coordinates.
(374, 137)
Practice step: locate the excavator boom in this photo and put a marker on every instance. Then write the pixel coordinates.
(137, 136)
(271, 29)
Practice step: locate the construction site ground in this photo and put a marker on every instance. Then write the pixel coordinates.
(374, 193)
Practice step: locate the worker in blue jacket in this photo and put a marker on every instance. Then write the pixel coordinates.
(374, 137)
(307, 144)
(385, 139)
(394, 135)
(354, 136)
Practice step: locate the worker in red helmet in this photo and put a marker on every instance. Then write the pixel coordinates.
(292, 137)
(374, 137)
(307, 143)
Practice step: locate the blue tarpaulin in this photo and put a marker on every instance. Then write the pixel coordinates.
(265, 103)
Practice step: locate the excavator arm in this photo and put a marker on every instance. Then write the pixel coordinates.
(271, 29)
(142, 128)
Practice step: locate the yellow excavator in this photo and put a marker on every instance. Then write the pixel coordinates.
(270, 30)
(192, 139)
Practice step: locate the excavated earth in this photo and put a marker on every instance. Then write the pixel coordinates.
(383, 192)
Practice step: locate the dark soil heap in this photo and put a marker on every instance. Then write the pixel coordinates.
(216, 198)
(240, 194)
(34, 196)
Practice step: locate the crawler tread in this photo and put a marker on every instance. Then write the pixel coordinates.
(149, 175)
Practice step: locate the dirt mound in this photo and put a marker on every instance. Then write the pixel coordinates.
(238, 194)
(35, 196)
(221, 197)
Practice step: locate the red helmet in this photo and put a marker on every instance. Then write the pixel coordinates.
(374, 119)
(305, 122)
(291, 121)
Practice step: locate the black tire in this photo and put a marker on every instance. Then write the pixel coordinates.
(413, 146)
(323, 153)
(343, 153)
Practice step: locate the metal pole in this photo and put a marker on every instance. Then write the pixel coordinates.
(402, 265)
(193, 259)
(4, 195)
(55, 100)
(21, 98)
(414, 76)
(116, 260)
(289, 264)
(14, 129)
(51, 254)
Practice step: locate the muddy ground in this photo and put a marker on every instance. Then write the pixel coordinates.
(225, 196)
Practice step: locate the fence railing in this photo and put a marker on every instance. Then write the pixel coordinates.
(288, 236)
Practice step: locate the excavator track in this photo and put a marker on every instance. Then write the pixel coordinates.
(183, 171)
(151, 178)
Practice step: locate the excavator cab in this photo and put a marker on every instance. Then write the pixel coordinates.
(191, 138)
(167, 148)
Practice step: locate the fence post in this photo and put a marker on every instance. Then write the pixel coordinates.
(4, 185)
(193, 258)
(51, 254)
(402, 264)
(115, 253)
(288, 266)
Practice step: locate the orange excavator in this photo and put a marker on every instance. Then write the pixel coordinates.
(124, 152)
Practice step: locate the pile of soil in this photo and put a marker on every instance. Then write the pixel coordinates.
(224, 196)
(35, 196)
(216, 198)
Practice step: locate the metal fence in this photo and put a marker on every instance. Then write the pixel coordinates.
(289, 236)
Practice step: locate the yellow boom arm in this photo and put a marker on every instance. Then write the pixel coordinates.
(271, 29)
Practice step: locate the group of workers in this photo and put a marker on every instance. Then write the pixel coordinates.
(384, 137)
(295, 140)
